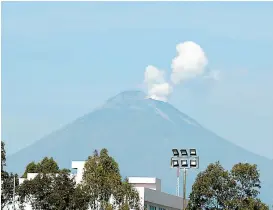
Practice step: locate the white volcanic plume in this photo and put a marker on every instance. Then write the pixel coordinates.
(158, 88)
(189, 63)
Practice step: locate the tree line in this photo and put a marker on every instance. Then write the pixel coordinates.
(217, 188)
(102, 187)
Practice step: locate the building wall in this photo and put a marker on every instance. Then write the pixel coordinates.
(79, 166)
(162, 199)
(147, 182)
(151, 196)
(155, 206)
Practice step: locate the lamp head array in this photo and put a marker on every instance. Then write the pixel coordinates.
(185, 159)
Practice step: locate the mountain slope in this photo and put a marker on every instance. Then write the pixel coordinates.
(140, 134)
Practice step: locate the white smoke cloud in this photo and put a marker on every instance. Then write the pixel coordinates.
(153, 75)
(158, 88)
(160, 91)
(189, 63)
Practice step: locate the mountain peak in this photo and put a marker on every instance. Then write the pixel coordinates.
(130, 95)
(126, 98)
(129, 125)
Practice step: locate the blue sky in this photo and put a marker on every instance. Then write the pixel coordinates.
(61, 60)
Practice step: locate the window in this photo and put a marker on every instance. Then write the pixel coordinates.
(152, 208)
(162, 209)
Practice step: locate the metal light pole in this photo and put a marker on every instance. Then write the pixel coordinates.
(178, 182)
(184, 161)
(184, 188)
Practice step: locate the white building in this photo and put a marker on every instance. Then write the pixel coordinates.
(151, 196)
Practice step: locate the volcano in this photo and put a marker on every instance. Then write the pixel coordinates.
(140, 134)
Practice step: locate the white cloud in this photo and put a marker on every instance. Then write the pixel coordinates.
(189, 62)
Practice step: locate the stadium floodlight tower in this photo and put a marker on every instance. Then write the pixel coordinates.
(187, 159)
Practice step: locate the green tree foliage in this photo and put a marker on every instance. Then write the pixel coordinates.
(247, 177)
(47, 165)
(252, 204)
(7, 187)
(80, 199)
(51, 189)
(37, 191)
(217, 188)
(7, 180)
(31, 168)
(54, 189)
(3, 156)
(102, 180)
(129, 196)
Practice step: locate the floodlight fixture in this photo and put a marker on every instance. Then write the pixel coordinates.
(175, 163)
(194, 163)
(184, 152)
(175, 152)
(187, 160)
(193, 152)
(184, 163)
